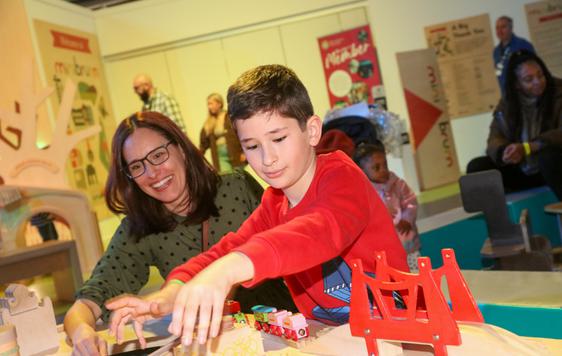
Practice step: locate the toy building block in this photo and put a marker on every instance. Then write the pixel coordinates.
(69, 205)
(8, 341)
(8, 196)
(34, 320)
(406, 307)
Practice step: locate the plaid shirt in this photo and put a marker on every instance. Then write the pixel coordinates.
(166, 105)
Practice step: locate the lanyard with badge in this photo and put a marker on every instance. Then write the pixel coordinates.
(500, 65)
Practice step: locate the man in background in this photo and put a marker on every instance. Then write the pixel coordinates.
(509, 43)
(156, 100)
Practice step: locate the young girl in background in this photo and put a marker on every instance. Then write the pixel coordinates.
(398, 197)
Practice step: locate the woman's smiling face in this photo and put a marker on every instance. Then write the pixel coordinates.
(165, 182)
(530, 79)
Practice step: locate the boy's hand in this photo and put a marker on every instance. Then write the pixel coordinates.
(130, 307)
(403, 227)
(202, 298)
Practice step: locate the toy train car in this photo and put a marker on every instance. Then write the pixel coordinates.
(280, 322)
(240, 318)
(231, 307)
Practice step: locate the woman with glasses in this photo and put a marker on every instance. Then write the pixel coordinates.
(525, 139)
(175, 205)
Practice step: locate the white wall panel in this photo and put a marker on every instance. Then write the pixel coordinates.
(120, 76)
(61, 13)
(149, 23)
(303, 55)
(196, 71)
(300, 43)
(248, 50)
(398, 26)
(353, 18)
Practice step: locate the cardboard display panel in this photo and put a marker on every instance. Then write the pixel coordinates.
(464, 54)
(70, 54)
(545, 25)
(430, 128)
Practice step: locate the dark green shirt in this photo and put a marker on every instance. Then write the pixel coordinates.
(124, 267)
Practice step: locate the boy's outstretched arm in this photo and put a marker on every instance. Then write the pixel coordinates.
(140, 309)
(204, 296)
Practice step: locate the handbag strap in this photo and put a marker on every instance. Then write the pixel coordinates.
(205, 235)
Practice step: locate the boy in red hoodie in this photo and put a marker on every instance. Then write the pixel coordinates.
(318, 214)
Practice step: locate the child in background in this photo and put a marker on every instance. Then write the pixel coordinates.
(399, 199)
(319, 214)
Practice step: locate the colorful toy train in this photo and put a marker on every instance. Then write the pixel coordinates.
(270, 320)
(280, 322)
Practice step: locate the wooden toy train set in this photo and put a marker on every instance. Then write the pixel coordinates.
(268, 319)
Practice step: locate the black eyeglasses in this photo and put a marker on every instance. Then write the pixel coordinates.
(155, 157)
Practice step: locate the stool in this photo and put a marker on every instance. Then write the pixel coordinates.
(556, 208)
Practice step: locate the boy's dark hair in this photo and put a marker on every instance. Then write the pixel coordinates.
(147, 215)
(269, 88)
(365, 150)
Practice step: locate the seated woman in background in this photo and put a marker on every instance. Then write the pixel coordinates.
(218, 135)
(174, 203)
(525, 140)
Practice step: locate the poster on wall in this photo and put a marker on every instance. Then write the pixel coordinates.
(71, 54)
(545, 26)
(464, 55)
(351, 68)
(430, 128)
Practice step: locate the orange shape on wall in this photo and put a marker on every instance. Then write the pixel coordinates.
(423, 116)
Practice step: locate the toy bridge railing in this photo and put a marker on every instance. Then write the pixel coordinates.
(423, 317)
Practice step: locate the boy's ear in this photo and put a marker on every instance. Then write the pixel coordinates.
(314, 129)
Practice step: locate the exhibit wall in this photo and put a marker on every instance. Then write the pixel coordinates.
(191, 50)
(15, 36)
(60, 13)
(53, 87)
(398, 26)
(194, 67)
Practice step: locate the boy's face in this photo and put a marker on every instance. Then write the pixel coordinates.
(375, 167)
(280, 152)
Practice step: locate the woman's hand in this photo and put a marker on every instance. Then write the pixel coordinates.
(86, 342)
(79, 325)
(202, 298)
(513, 153)
(130, 307)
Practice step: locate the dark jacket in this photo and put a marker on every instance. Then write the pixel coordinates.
(504, 131)
(232, 145)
